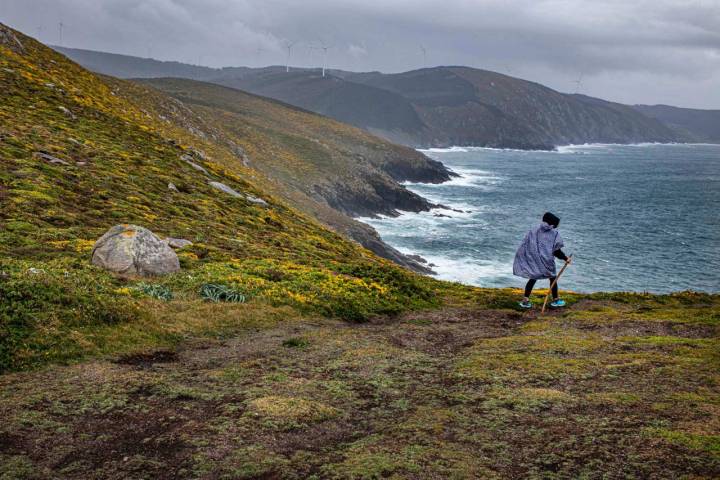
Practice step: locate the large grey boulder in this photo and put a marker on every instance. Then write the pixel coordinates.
(131, 250)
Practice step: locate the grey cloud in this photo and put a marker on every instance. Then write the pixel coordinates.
(644, 51)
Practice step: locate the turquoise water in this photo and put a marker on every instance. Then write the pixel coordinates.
(636, 217)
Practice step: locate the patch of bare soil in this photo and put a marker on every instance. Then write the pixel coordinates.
(448, 331)
(394, 390)
(152, 438)
(147, 359)
(637, 328)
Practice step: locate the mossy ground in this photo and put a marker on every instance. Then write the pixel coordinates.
(440, 381)
(112, 155)
(616, 386)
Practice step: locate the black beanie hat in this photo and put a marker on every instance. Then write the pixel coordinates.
(551, 219)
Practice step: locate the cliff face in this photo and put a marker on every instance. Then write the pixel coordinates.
(81, 153)
(436, 107)
(329, 170)
(466, 106)
(345, 167)
(700, 125)
(447, 106)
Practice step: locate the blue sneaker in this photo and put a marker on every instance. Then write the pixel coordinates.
(525, 304)
(557, 303)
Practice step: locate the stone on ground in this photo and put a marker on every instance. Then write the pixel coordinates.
(178, 242)
(131, 250)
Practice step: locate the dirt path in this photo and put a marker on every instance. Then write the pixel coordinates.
(604, 390)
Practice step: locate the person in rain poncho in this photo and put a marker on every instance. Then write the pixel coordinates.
(535, 259)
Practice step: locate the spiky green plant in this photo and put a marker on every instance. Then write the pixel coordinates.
(220, 293)
(154, 290)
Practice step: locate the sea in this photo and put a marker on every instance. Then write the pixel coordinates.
(643, 218)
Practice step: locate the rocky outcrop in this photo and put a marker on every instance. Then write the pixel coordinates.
(178, 242)
(234, 193)
(189, 160)
(371, 196)
(699, 125)
(131, 250)
(10, 40)
(366, 236)
(51, 159)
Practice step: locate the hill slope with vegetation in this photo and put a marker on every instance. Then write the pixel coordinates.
(338, 365)
(700, 125)
(437, 107)
(77, 156)
(328, 170)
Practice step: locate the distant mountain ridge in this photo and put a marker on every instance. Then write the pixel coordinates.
(701, 125)
(328, 170)
(432, 107)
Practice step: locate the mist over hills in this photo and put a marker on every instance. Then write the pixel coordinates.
(701, 125)
(435, 107)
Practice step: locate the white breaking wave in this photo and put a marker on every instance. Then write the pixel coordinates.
(473, 149)
(407, 223)
(470, 271)
(443, 150)
(467, 177)
(581, 147)
(571, 148)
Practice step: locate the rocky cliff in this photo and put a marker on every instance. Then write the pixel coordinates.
(699, 125)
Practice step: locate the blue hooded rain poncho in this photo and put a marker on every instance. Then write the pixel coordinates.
(534, 259)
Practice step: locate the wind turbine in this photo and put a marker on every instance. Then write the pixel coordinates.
(325, 49)
(424, 51)
(61, 25)
(578, 84)
(288, 46)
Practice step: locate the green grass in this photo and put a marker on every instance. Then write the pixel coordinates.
(461, 392)
(120, 157)
(106, 377)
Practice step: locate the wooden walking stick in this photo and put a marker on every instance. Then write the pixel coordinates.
(555, 283)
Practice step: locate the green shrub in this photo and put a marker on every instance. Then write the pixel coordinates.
(44, 305)
(295, 342)
(154, 290)
(220, 293)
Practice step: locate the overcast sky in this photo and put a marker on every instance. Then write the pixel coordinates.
(632, 51)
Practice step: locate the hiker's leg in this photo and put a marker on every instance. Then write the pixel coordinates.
(529, 288)
(554, 288)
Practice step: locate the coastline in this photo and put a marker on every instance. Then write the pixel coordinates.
(557, 148)
(473, 268)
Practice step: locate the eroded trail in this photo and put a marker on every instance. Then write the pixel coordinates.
(602, 389)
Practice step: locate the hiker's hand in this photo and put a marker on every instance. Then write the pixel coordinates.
(568, 260)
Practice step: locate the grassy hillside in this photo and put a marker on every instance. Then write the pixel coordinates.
(361, 105)
(462, 105)
(77, 156)
(326, 169)
(437, 106)
(620, 386)
(700, 125)
(351, 170)
(439, 381)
